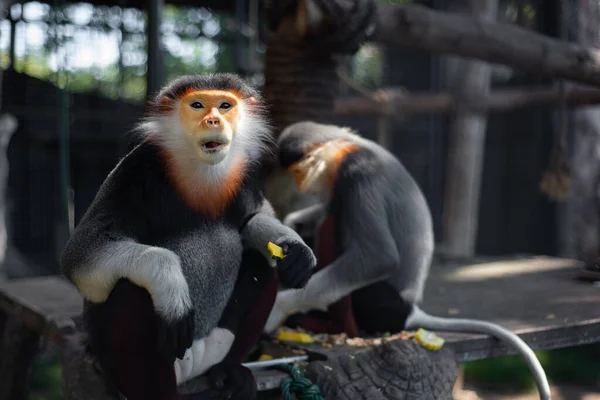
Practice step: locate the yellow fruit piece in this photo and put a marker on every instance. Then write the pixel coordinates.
(265, 357)
(429, 340)
(286, 336)
(275, 250)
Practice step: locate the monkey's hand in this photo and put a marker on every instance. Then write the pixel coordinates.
(229, 381)
(176, 336)
(298, 263)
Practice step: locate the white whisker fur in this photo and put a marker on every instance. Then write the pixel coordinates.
(252, 138)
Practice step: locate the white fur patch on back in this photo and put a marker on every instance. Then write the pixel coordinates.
(203, 354)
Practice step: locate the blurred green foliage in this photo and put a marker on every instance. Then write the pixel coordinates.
(574, 365)
(49, 46)
(46, 382)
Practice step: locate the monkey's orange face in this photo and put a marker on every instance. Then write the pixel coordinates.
(209, 119)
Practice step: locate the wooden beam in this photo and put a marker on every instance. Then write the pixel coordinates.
(393, 103)
(581, 218)
(417, 26)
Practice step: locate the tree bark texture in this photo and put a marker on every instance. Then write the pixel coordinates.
(468, 36)
(583, 211)
(466, 152)
(300, 84)
(19, 348)
(397, 370)
(81, 377)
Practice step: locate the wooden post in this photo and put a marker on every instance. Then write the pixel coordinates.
(583, 213)
(466, 152)
(300, 84)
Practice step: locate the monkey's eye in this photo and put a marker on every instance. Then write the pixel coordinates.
(197, 105)
(225, 105)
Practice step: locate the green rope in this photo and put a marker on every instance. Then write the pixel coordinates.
(297, 387)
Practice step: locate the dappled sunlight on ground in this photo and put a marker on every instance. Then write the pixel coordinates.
(504, 269)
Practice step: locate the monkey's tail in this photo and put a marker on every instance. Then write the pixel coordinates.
(420, 319)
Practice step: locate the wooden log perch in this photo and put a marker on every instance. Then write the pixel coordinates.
(81, 378)
(417, 26)
(19, 348)
(497, 101)
(395, 370)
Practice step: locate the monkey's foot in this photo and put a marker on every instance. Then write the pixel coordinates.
(232, 382)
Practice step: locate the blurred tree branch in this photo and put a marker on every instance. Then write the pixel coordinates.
(462, 34)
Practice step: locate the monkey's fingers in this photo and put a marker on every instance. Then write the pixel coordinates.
(173, 340)
(179, 347)
(175, 337)
(185, 335)
(289, 260)
(296, 281)
(294, 276)
(165, 342)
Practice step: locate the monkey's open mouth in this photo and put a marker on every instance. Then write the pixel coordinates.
(211, 146)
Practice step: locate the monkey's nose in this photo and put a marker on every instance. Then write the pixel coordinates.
(213, 122)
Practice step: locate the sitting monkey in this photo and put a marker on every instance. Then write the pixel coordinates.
(171, 256)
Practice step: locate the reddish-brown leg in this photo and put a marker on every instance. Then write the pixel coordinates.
(140, 371)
